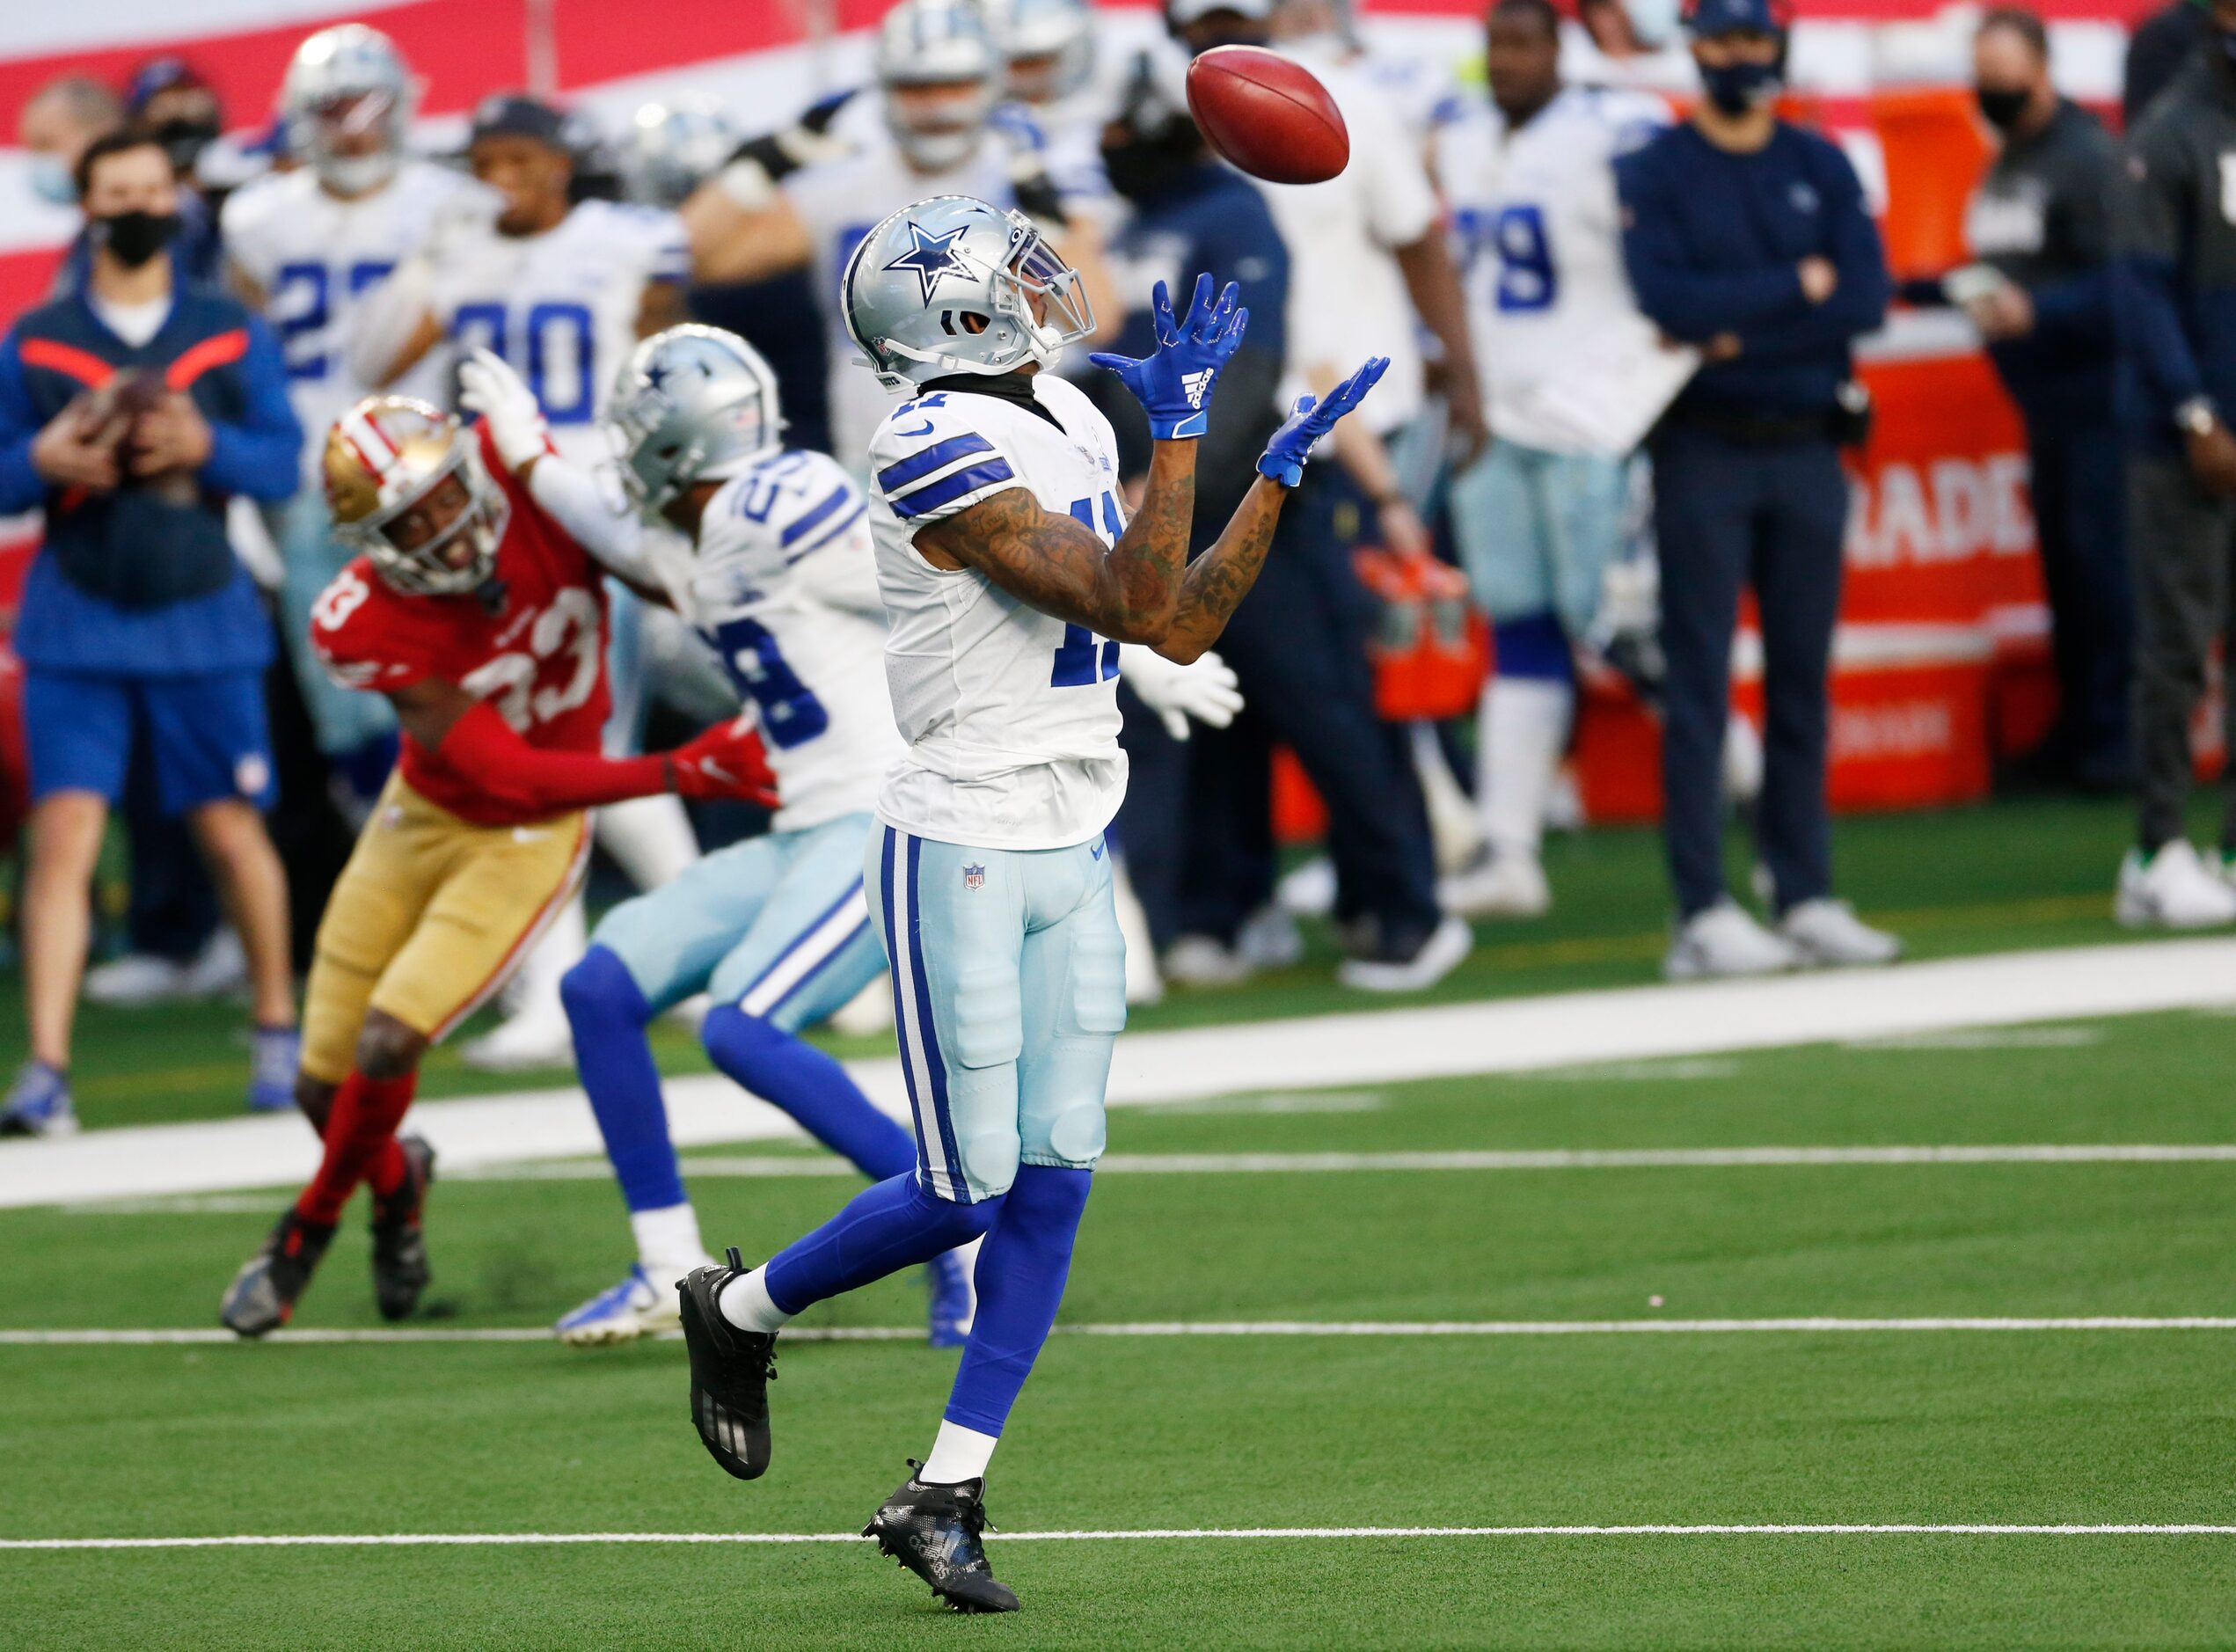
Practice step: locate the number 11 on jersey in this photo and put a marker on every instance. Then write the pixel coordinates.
(1082, 657)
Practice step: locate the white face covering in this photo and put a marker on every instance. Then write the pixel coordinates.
(50, 179)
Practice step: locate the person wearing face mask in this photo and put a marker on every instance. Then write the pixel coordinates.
(60, 118)
(2039, 227)
(2173, 292)
(130, 412)
(1749, 238)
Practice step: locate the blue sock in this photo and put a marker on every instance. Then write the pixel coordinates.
(1533, 646)
(809, 1086)
(1021, 1272)
(609, 1013)
(888, 1226)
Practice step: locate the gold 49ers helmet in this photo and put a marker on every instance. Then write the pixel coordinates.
(407, 488)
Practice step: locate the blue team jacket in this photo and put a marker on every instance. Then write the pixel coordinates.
(129, 582)
(1712, 240)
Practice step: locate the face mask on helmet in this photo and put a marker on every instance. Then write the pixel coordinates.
(693, 404)
(352, 141)
(937, 124)
(441, 538)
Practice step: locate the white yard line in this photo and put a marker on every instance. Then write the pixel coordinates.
(507, 1540)
(200, 1335)
(1368, 1048)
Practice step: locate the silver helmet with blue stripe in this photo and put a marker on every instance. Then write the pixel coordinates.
(1049, 46)
(939, 71)
(671, 145)
(954, 285)
(692, 405)
(347, 102)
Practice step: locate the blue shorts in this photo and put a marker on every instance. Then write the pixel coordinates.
(1538, 530)
(1009, 989)
(775, 925)
(207, 735)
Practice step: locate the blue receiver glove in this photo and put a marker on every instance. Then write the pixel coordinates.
(1174, 385)
(1283, 459)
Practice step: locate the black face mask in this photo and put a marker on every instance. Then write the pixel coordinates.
(183, 141)
(2002, 105)
(133, 237)
(1735, 88)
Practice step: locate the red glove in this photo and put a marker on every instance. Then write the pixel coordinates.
(728, 760)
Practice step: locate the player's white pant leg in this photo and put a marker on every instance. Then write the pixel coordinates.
(1583, 502)
(672, 940)
(811, 947)
(342, 719)
(1009, 986)
(1500, 533)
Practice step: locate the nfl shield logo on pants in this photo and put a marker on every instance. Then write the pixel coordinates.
(973, 877)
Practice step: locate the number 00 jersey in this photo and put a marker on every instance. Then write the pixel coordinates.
(1010, 716)
(535, 650)
(784, 588)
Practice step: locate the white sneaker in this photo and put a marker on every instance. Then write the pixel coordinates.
(1447, 946)
(1829, 935)
(537, 1037)
(1511, 884)
(134, 981)
(2173, 889)
(635, 1307)
(221, 971)
(1726, 940)
(1269, 940)
(1198, 961)
(1310, 890)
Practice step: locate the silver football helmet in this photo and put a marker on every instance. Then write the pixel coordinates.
(1049, 46)
(926, 47)
(347, 100)
(671, 145)
(953, 285)
(692, 405)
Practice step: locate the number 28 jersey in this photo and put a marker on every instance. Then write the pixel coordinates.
(535, 648)
(1010, 716)
(783, 588)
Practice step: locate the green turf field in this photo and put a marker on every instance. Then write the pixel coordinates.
(1131, 1431)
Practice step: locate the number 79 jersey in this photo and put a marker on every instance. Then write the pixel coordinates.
(1010, 716)
(782, 588)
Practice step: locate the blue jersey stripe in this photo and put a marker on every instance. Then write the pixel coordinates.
(808, 521)
(935, 1063)
(900, 989)
(953, 487)
(835, 530)
(896, 477)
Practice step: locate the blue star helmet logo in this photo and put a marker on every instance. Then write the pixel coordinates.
(656, 375)
(930, 257)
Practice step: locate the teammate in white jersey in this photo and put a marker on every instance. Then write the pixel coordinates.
(562, 292)
(306, 247)
(1572, 375)
(936, 126)
(1010, 576)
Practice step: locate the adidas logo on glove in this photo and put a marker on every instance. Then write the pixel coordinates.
(1197, 385)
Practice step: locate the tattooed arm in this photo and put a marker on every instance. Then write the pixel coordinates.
(1217, 581)
(1128, 591)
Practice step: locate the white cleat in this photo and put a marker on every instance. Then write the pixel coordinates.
(1269, 940)
(134, 981)
(1509, 885)
(1310, 890)
(635, 1307)
(538, 1036)
(1726, 940)
(220, 972)
(2173, 889)
(1198, 961)
(1830, 936)
(1442, 951)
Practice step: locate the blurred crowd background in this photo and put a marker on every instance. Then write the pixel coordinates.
(1960, 446)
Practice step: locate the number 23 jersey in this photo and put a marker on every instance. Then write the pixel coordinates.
(782, 587)
(534, 649)
(1010, 716)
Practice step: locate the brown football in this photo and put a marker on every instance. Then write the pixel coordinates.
(1267, 114)
(129, 396)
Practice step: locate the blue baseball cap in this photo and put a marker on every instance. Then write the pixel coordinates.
(1708, 19)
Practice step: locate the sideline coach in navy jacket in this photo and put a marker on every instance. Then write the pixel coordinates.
(131, 409)
(1748, 237)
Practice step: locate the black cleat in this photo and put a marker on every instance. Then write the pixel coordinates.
(263, 1295)
(400, 1270)
(934, 1531)
(731, 1371)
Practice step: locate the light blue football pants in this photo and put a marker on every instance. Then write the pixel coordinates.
(1009, 988)
(1537, 530)
(776, 925)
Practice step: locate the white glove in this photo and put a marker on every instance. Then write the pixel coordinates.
(1205, 690)
(488, 386)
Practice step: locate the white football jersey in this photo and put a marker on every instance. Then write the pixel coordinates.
(315, 256)
(1539, 234)
(1010, 716)
(561, 307)
(843, 200)
(784, 588)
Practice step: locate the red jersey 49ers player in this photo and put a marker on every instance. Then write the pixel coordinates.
(482, 622)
